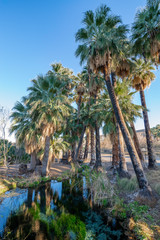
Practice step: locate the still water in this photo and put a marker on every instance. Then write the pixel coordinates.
(55, 210)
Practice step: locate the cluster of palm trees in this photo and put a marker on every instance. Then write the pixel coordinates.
(102, 92)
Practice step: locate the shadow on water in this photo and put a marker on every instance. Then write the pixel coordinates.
(56, 210)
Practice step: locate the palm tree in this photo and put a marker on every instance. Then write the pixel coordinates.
(52, 106)
(146, 32)
(102, 38)
(26, 130)
(95, 83)
(156, 131)
(142, 77)
(58, 145)
(110, 126)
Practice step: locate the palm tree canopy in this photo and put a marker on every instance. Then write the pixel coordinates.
(142, 74)
(146, 31)
(47, 100)
(102, 36)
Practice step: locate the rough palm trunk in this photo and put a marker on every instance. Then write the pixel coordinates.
(73, 150)
(45, 162)
(113, 77)
(33, 161)
(92, 146)
(115, 154)
(137, 144)
(98, 163)
(80, 143)
(86, 147)
(79, 106)
(142, 181)
(80, 154)
(151, 157)
(123, 172)
(69, 156)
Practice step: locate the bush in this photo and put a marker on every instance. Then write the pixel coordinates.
(68, 226)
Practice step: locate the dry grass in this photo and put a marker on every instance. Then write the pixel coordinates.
(153, 177)
(103, 191)
(127, 185)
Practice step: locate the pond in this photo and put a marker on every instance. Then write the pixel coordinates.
(55, 210)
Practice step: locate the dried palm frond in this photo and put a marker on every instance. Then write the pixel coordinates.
(94, 89)
(155, 51)
(136, 80)
(80, 89)
(155, 47)
(48, 129)
(123, 69)
(137, 86)
(98, 62)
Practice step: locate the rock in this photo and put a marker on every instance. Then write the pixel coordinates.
(23, 168)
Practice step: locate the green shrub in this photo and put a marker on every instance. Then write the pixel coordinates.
(68, 225)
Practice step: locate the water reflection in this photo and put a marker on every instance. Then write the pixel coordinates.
(43, 208)
(10, 204)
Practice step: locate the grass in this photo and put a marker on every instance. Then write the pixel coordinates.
(6, 185)
(153, 177)
(127, 185)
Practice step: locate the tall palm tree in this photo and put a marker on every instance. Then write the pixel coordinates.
(110, 126)
(102, 38)
(46, 99)
(142, 77)
(95, 84)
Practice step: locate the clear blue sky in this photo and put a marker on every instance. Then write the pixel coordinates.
(36, 33)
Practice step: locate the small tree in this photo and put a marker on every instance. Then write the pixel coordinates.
(4, 119)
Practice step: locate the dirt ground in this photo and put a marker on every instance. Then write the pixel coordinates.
(13, 170)
(58, 168)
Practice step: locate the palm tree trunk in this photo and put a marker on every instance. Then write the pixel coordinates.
(80, 143)
(73, 150)
(45, 162)
(98, 163)
(151, 157)
(79, 106)
(69, 156)
(114, 80)
(92, 146)
(80, 155)
(115, 153)
(142, 181)
(86, 147)
(137, 144)
(33, 161)
(123, 172)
